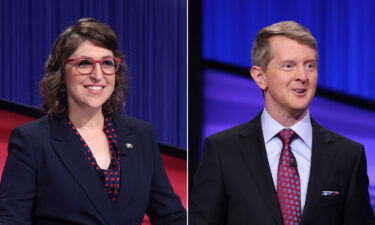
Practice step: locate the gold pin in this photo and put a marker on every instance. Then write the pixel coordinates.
(128, 145)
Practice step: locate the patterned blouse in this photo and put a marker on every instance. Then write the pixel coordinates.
(110, 178)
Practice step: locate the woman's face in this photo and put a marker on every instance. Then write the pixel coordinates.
(91, 91)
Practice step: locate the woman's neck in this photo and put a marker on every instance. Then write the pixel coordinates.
(87, 120)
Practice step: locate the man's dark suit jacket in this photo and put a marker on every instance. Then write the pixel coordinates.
(48, 180)
(234, 183)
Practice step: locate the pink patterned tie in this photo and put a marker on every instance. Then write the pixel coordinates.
(288, 182)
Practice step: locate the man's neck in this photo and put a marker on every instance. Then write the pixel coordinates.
(285, 118)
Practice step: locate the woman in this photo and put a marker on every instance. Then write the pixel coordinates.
(84, 163)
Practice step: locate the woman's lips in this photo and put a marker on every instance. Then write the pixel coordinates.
(95, 89)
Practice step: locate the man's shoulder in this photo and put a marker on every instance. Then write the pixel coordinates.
(233, 133)
(332, 136)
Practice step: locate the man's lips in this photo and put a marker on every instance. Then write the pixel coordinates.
(299, 90)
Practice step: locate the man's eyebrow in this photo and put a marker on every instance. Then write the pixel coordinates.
(288, 61)
(310, 60)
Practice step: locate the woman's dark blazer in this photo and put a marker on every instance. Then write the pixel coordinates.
(48, 180)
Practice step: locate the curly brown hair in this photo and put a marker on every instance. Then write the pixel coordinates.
(52, 86)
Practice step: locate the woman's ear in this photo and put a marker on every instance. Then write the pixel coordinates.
(258, 76)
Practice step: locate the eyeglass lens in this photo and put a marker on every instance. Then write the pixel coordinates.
(86, 66)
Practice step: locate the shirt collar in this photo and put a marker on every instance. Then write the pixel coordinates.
(271, 127)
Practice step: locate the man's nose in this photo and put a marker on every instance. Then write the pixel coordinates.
(301, 73)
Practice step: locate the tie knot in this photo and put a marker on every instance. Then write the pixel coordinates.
(286, 135)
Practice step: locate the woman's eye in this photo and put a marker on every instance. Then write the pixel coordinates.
(108, 62)
(84, 63)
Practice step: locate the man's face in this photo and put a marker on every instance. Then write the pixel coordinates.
(289, 81)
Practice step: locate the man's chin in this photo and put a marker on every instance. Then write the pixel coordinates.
(299, 112)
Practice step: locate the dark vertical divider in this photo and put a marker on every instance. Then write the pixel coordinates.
(195, 86)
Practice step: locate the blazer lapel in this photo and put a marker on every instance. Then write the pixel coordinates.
(128, 147)
(69, 150)
(321, 161)
(255, 156)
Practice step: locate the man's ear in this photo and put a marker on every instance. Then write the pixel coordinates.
(259, 77)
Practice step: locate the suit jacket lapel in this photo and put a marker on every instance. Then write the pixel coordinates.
(254, 153)
(69, 150)
(321, 161)
(128, 147)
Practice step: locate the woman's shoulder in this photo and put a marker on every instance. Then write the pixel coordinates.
(131, 123)
(33, 131)
(33, 126)
(141, 130)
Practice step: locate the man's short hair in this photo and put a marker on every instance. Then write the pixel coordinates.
(261, 54)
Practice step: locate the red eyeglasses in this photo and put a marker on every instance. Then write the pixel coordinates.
(84, 66)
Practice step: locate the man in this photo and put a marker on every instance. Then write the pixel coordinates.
(282, 167)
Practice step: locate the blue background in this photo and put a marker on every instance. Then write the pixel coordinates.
(151, 33)
(344, 30)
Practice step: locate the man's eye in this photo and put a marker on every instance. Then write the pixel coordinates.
(84, 63)
(287, 66)
(310, 66)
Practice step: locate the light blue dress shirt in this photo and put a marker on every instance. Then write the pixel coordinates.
(301, 148)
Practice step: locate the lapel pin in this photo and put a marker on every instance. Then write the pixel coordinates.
(128, 145)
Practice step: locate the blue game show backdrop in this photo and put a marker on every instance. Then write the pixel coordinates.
(151, 34)
(344, 30)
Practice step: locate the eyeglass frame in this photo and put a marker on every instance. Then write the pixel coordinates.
(95, 61)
